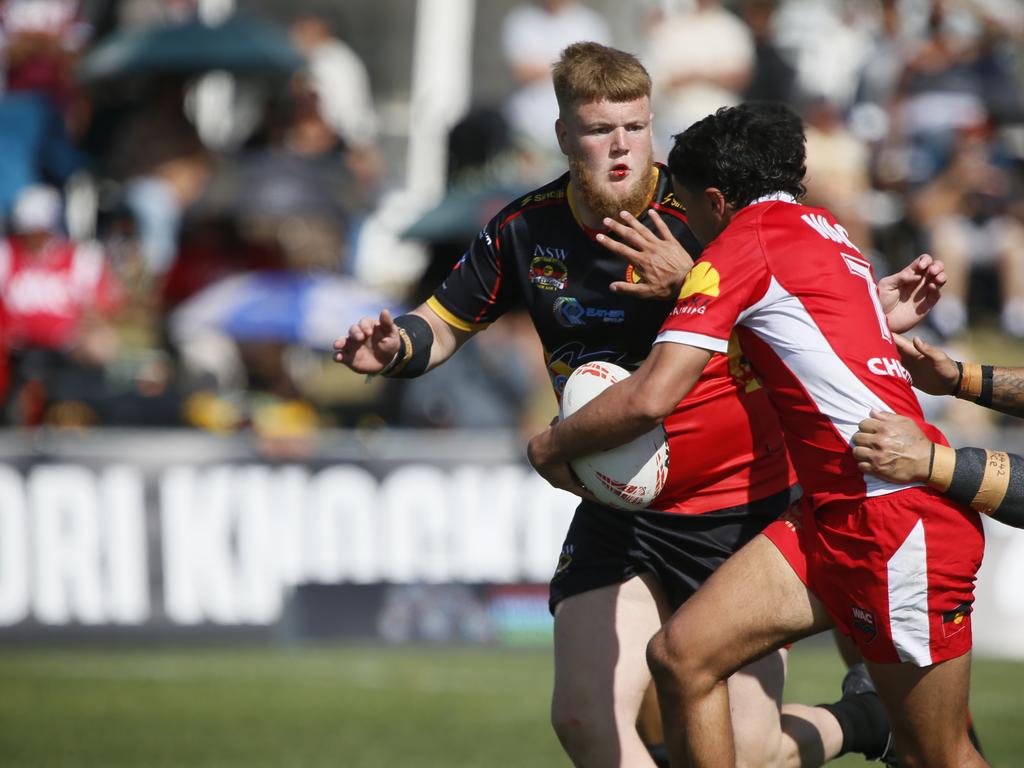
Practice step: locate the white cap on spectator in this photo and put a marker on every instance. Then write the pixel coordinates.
(37, 209)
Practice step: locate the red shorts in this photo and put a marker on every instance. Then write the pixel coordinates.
(895, 572)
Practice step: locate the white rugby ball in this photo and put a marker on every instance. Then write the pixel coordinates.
(630, 476)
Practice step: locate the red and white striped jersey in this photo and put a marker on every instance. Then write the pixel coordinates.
(806, 309)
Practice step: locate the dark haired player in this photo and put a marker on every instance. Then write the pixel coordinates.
(892, 565)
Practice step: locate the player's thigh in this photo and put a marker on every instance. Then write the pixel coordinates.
(755, 704)
(927, 707)
(753, 604)
(600, 640)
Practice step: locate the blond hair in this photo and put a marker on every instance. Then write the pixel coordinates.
(594, 72)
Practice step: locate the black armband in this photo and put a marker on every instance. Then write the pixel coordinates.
(975, 383)
(985, 398)
(416, 337)
(991, 482)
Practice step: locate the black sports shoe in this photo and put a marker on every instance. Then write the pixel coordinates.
(858, 682)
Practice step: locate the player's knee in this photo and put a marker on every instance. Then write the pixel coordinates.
(674, 666)
(578, 724)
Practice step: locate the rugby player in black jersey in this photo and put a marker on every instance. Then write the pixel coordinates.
(621, 574)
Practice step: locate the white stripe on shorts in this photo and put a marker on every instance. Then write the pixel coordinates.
(908, 599)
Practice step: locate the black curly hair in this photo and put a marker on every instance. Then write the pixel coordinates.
(747, 151)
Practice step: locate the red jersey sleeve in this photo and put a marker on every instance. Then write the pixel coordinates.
(728, 280)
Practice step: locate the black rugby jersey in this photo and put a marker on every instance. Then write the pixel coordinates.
(536, 254)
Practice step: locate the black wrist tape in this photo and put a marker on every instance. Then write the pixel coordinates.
(1011, 511)
(984, 479)
(985, 398)
(416, 339)
(959, 377)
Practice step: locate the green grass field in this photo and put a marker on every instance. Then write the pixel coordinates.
(344, 706)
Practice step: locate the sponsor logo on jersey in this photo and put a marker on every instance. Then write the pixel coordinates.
(834, 232)
(956, 620)
(548, 274)
(701, 286)
(670, 201)
(889, 366)
(554, 194)
(864, 622)
(568, 357)
(486, 237)
(569, 313)
(550, 251)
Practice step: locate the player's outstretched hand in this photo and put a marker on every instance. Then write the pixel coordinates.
(892, 447)
(932, 370)
(370, 344)
(910, 294)
(658, 258)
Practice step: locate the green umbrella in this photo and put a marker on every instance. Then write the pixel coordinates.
(463, 212)
(239, 45)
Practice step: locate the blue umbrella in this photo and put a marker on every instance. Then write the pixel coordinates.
(239, 45)
(297, 308)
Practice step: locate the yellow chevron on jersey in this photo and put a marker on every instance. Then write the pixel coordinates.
(703, 278)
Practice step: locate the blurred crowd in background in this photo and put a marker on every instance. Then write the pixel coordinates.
(191, 195)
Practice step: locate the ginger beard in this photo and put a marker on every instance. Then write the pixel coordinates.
(602, 198)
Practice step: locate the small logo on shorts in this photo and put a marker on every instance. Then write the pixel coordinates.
(564, 560)
(956, 620)
(792, 518)
(864, 622)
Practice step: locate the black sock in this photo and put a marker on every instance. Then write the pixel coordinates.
(864, 724)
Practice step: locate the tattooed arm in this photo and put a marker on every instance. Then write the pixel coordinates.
(1008, 390)
(934, 372)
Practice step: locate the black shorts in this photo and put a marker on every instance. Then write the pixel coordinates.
(605, 546)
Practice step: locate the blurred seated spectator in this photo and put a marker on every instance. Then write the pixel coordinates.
(837, 169)
(34, 146)
(533, 35)
(966, 217)
(58, 298)
(40, 41)
(164, 167)
(339, 88)
(774, 78)
(701, 58)
(954, 80)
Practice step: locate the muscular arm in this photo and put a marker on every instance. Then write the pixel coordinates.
(934, 372)
(620, 413)
(992, 482)
(1008, 391)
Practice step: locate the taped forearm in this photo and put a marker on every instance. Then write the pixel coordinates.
(991, 482)
(1001, 389)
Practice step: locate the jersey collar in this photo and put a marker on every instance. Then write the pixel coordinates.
(781, 197)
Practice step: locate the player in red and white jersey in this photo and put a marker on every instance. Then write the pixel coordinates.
(891, 565)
